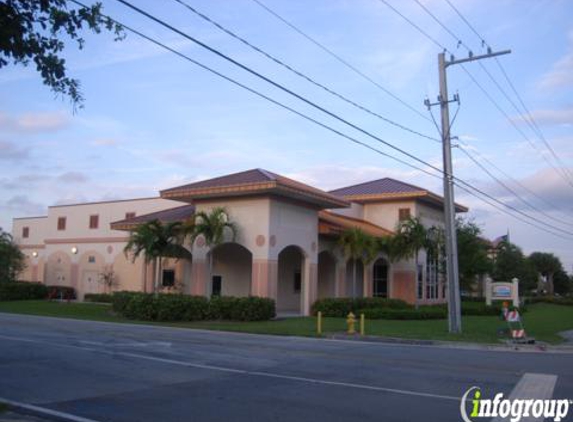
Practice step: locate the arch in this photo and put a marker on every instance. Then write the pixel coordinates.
(291, 260)
(232, 270)
(326, 275)
(58, 269)
(354, 287)
(380, 278)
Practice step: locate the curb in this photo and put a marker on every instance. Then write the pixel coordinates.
(42, 412)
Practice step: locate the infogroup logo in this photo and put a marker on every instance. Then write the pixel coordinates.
(511, 409)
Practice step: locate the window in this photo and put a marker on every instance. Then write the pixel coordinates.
(94, 221)
(61, 223)
(129, 215)
(91, 259)
(432, 276)
(297, 282)
(403, 214)
(217, 285)
(380, 279)
(420, 282)
(25, 232)
(168, 278)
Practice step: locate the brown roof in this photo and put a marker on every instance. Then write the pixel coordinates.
(388, 189)
(331, 223)
(166, 216)
(254, 182)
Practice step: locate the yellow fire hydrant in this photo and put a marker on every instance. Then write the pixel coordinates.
(351, 322)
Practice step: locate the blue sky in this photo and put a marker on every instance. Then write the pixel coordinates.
(152, 120)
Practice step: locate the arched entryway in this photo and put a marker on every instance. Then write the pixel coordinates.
(232, 271)
(380, 278)
(59, 269)
(326, 275)
(354, 278)
(290, 280)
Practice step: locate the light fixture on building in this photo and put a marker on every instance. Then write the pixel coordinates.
(35, 254)
(74, 250)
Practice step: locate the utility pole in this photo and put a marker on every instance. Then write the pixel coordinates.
(452, 271)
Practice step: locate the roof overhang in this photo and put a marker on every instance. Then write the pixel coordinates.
(422, 196)
(332, 224)
(316, 198)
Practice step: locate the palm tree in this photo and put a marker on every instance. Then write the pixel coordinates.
(411, 237)
(213, 226)
(357, 245)
(156, 241)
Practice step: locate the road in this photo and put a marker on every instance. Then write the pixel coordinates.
(119, 372)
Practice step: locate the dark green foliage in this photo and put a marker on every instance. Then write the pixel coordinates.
(34, 31)
(16, 290)
(423, 312)
(178, 307)
(98, 297)
(565, 301)
(473, 257)
(12, 260)
(61, 292)
(341, 307)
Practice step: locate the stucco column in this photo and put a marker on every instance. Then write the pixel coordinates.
(340, 288)
(309, 285)
(199, 272)
(264, 278)
(367, 287)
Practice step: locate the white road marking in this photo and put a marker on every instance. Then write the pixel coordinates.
(43, 411)
(244, 371)
(532, 386)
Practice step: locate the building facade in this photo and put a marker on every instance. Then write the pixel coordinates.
(286, 247)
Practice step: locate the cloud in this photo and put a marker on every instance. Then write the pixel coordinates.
(9, 151)
(105, 142)
(73, 177)
(561, 74)
(34, 122)
(563, 116)
(24, 181)
(22, 205)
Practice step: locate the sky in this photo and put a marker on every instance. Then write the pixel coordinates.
(152, 120)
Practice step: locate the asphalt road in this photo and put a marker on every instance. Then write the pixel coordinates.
(117, 372)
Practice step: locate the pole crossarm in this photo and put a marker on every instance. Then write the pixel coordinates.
(473, 58)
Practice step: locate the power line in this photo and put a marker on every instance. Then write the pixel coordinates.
(339, 58)
(301, 74)
(526, 115)
(465, 186)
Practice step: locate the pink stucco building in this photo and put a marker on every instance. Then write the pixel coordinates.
(286, 248)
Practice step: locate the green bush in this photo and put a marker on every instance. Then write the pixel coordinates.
(565, 301)
(98, 297)
(22, 290)
(178, 307)
(423, 312)
(61, 292)
(341, 307)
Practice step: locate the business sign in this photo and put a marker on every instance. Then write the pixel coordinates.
(501, 291)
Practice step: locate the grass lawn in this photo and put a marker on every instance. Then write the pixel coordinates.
(543, 321)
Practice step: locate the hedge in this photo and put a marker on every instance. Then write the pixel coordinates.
(341, 307)
(179, 307)
(423, 312)
(565, 301)
(61, 292)
(22, 290)
(98, 297)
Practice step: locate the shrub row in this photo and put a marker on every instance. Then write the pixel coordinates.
(423, 312)
(565, 301)
(178, 307)
(22, 290)
(98, 297)
(340, 307)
